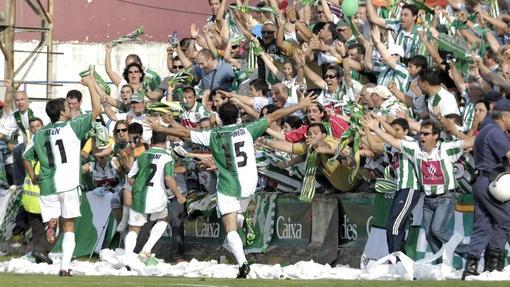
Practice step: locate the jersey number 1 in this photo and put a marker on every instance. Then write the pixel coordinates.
(49, 151)
(238, 153)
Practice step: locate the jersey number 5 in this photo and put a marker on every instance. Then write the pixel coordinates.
(238, 153)
(49, 151)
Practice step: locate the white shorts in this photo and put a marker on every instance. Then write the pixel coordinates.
(138, 219)
(66, 204)
(229, 204)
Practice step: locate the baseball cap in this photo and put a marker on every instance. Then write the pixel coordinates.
(137, 97)
(502, 105)
(396, 50)
(492, 96)
(342, 24)
(380, 90)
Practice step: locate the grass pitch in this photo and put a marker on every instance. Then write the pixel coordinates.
(9, 279)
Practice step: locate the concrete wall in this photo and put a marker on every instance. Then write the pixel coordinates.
(105, 20)
(76, 58)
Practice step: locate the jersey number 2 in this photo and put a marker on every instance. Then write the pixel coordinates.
(238, 153)
(153, 167)
(49, 151)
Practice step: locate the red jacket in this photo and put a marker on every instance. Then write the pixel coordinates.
(337, 127)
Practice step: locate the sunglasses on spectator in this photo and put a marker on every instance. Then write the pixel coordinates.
(120, 130)
(235, 46)
(331, 76)
(178, 67)
(133, 72)
(425, 133)
(268, 32)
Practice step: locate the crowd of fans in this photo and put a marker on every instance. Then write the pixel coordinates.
(400, 94)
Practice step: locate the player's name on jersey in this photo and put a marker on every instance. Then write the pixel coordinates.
(154, 156)
(53, 131)
(239, 132)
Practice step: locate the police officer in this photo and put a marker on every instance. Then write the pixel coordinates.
(491, 152)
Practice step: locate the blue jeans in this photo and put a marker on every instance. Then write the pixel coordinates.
(437, 213)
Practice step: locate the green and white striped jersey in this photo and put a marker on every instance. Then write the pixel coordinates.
(149, 171)
(402, 164)
(435, 170)
(407, 40)
(190, 118)
(57, 147)
(400, 75)
(234, 154)
(468, 114)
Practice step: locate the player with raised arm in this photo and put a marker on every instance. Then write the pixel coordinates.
(232, 147)
(57, 147)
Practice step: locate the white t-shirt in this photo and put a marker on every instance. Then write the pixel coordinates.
(9, 127)
(445, 101)
(147, 131)
(261, 102)
(291, 102)
(419, 104)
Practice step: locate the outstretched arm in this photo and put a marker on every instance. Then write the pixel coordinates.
(431, 49)
(244, 99)
(247, 109)
(376, 36)
(367, 59)
(94, 97)
(316, 79)
(278, 144)
(268, 61)
(116, 79)
(275, 134)
(186, 62)
(375, 145)
(373, 125)
(310, 99)
(174, 130)
(497, 23)
(110, 113)
(9, 90)
(392, 86)
(326, 10)
(372, 15)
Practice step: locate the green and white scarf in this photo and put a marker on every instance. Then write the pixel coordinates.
(151, 80)
(386, 184)
(356, 112)
(100, 81)
(129, 37)
(308, 187)
(19, 121)
(24, 130)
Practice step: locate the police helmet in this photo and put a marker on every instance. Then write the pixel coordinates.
(499, 187)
